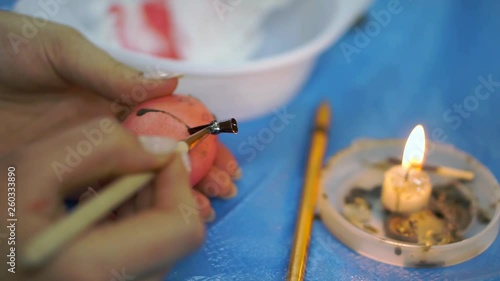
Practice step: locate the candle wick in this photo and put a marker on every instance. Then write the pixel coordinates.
(407, 174)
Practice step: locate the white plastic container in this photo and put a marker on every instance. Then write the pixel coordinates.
(293, 38)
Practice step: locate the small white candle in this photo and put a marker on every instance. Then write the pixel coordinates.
(406, 187)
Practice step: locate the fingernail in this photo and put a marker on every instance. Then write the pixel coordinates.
(160, 75)
(183, 149)
(157, 144)
(186, 162)
(211, 216)
(232, 193)
(237, 174)
(233, 169)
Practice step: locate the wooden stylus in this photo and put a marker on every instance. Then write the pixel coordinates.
(319, 141)
(43, 247)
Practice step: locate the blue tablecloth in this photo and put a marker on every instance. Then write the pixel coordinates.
(420, 67)
(417, 69)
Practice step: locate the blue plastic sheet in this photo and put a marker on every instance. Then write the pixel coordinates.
(420, 67)
(423, 65)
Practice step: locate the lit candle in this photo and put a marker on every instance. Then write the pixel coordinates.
(406, 187)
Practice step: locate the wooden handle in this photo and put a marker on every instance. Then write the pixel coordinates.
(44, 246)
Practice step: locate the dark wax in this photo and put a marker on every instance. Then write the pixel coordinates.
(143, 111)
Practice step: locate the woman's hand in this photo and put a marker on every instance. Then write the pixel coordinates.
(56, 79)
(144, 245)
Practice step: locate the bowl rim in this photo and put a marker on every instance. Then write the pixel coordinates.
(346, 12)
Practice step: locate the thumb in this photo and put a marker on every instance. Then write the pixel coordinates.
(96, 150)
(77, 60)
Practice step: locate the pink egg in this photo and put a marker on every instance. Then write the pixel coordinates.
(170, 116)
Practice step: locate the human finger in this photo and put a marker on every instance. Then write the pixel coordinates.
(203, 207)
(217, 183)
(102, 142)
(225, 160)
(149, 240)
(58, 56)
(145, 198)
(79, 61)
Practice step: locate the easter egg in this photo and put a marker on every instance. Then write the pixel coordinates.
(171, 116)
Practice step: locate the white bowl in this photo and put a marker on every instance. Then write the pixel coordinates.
(293, 38)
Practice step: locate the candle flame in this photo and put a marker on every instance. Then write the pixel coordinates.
(413, 155)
